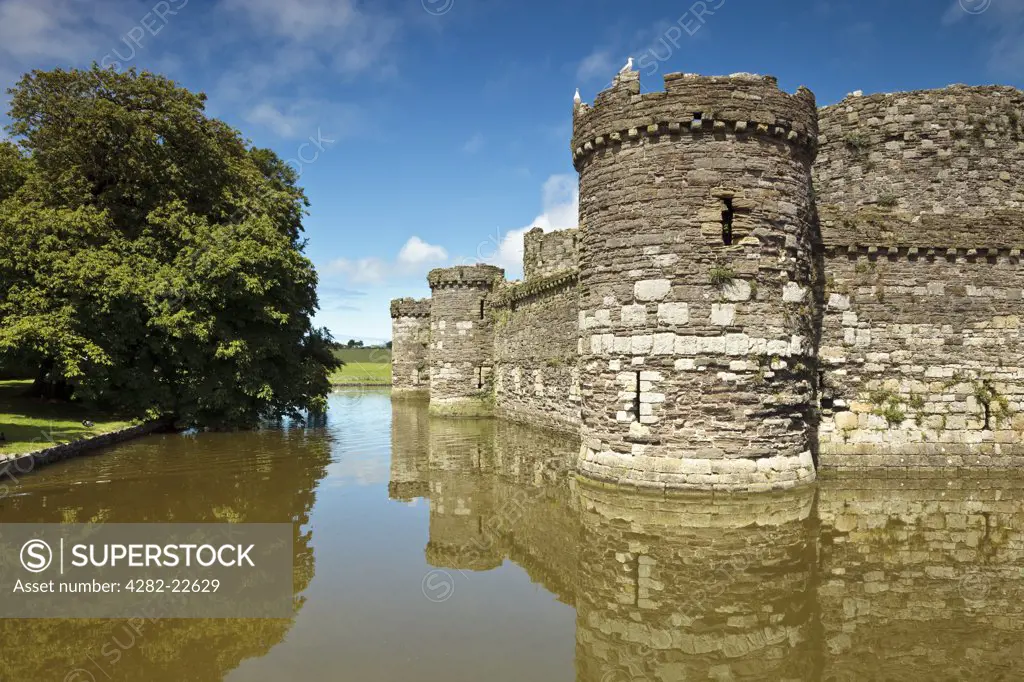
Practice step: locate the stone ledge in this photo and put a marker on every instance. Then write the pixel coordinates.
(23, 464)
(518, 292)
(911, 253)
(742, 129)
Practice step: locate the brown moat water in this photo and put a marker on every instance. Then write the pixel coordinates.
(436, 550)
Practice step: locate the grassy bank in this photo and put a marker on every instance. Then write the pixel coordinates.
(30, 424)
(363, 367)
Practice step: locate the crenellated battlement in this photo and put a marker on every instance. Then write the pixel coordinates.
(741, 105)
(410, 307)
(465, 275)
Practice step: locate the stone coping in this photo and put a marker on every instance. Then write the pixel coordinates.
(517, 292)
(28, 462)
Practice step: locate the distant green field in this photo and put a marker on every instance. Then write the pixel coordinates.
(366, 366)
(364, 355)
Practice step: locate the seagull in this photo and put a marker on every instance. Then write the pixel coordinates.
(628, 67)
(576, 98)
(87, 424)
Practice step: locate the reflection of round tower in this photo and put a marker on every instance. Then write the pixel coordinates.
(696, 307)
(695, 587)
(462, 340)
(410, 335)
(463, 530)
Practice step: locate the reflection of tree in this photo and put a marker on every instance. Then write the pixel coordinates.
(252, 477)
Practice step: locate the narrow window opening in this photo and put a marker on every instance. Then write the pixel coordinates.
(481, 309)
(479, 377)
(727, 215)
(697, 115)
(636, 400)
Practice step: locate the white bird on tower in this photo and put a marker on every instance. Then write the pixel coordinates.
(628, 67)
(576, 99)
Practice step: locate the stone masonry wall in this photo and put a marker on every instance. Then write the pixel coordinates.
(537, 379)
(921, 198)
(956, 151)
(913, 347)
(697, 338)
(462, 339)
(410, 336)
(549, 253)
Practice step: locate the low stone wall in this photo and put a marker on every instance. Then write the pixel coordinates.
(23, 464)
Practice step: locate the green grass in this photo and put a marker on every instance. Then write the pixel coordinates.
(363, 366)
(373, 356)
(31, 424)
(366, 373)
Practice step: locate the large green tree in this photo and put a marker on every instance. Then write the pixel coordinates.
(150, 259)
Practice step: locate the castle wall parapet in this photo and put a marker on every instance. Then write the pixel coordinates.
(744, 105)
(955, 152)
(547, 253)
(410, 307)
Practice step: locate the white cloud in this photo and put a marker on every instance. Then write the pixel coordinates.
(268, 115)
(347, 33)
(360, 271)
(66, 30)
(597, 64)
(417, 252)
(560, 201)
(414, 259)
(1002, 21)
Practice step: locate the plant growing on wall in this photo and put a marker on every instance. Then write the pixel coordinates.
(856, 143)
(887, 404)
(720, 275)
(992, 402)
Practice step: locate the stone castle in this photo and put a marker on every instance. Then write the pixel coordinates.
(757, 289)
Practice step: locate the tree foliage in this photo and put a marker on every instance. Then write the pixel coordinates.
(151, 260)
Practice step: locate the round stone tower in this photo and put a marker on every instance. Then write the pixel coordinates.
(698, 289)
(410, 335)
(462, 340)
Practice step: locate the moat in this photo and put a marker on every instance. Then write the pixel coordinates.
(447, 550)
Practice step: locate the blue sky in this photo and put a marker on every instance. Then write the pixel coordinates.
(437, 131)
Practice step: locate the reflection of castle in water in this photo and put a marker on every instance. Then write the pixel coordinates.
(895, 579)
